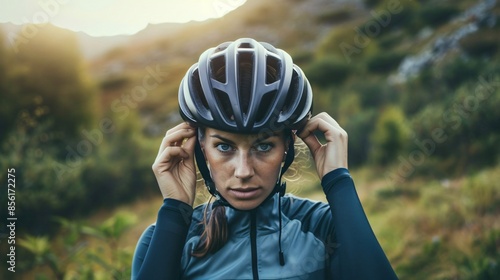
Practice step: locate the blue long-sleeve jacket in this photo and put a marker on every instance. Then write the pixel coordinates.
(319, 240)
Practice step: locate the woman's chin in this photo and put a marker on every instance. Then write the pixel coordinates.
(245, 205)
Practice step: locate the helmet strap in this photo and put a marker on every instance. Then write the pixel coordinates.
(202, 166)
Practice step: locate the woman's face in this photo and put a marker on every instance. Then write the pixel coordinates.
(244, 167)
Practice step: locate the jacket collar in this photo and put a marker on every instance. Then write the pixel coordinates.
(267, 218)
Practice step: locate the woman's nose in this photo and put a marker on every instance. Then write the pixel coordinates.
(244, 167)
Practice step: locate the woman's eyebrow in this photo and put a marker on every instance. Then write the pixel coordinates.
(265, 137)
(258, 140)
(222, 139)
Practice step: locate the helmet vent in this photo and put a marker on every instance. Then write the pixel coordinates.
(224, 104)
(272, 69)
(218, 68)
(246, 46)
(292, 92)
(198, 90)
(245, 78)
(263, 111)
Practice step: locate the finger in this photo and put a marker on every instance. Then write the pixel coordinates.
(331, 121)
(328, 126)
(312, 143)
(176, 137)
(307, 135)
(170, 155)
(188, 147)
(329, 129)
(324, 122)
(178, 127)
(164, 142)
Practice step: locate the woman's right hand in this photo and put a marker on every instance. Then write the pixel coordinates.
(174, 166)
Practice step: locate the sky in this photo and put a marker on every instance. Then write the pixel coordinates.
(112, 17)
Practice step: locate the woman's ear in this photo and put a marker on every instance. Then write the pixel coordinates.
(284, 156)
(289, 141)
(201, 138)
(202, 146)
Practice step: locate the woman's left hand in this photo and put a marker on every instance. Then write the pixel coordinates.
(332, 154)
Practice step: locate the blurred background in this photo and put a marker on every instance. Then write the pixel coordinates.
(416, 84)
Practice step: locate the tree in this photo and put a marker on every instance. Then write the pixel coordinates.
(390, 135)
(48, 73)
(5, 110)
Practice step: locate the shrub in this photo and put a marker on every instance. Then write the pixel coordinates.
(396, 193)
(400, 16)
(389, 40)
(302, 57)
(483, 263)
(460, 70)
(425, 89)
(52, 181)
(114, 82)
(46, 72)
(342, 42)
(335, 16)
(328, 71)
(482, 193)
(482, 43)
(375, 92)
(437, 14)
(359, 127)
(42, 193)
(372, 3)
(390, 135)
(74, 255)
(384, 62)
(468, 127)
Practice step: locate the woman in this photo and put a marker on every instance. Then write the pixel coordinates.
(244, 104)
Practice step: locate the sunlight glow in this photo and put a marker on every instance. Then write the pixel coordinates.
(112, 17)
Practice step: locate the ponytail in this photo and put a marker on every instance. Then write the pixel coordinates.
(215, 231)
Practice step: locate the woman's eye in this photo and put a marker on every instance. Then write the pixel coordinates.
(264, 147)
(223, 147)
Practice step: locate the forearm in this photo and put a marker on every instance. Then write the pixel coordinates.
(358, 254)
(158, 254)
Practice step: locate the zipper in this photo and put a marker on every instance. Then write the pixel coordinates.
(253, 242)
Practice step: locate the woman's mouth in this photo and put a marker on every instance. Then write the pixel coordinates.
(245, 193)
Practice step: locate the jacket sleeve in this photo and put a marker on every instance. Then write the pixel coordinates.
(159, 249)
(357, 253)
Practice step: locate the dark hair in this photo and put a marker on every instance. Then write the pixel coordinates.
(215, 231)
